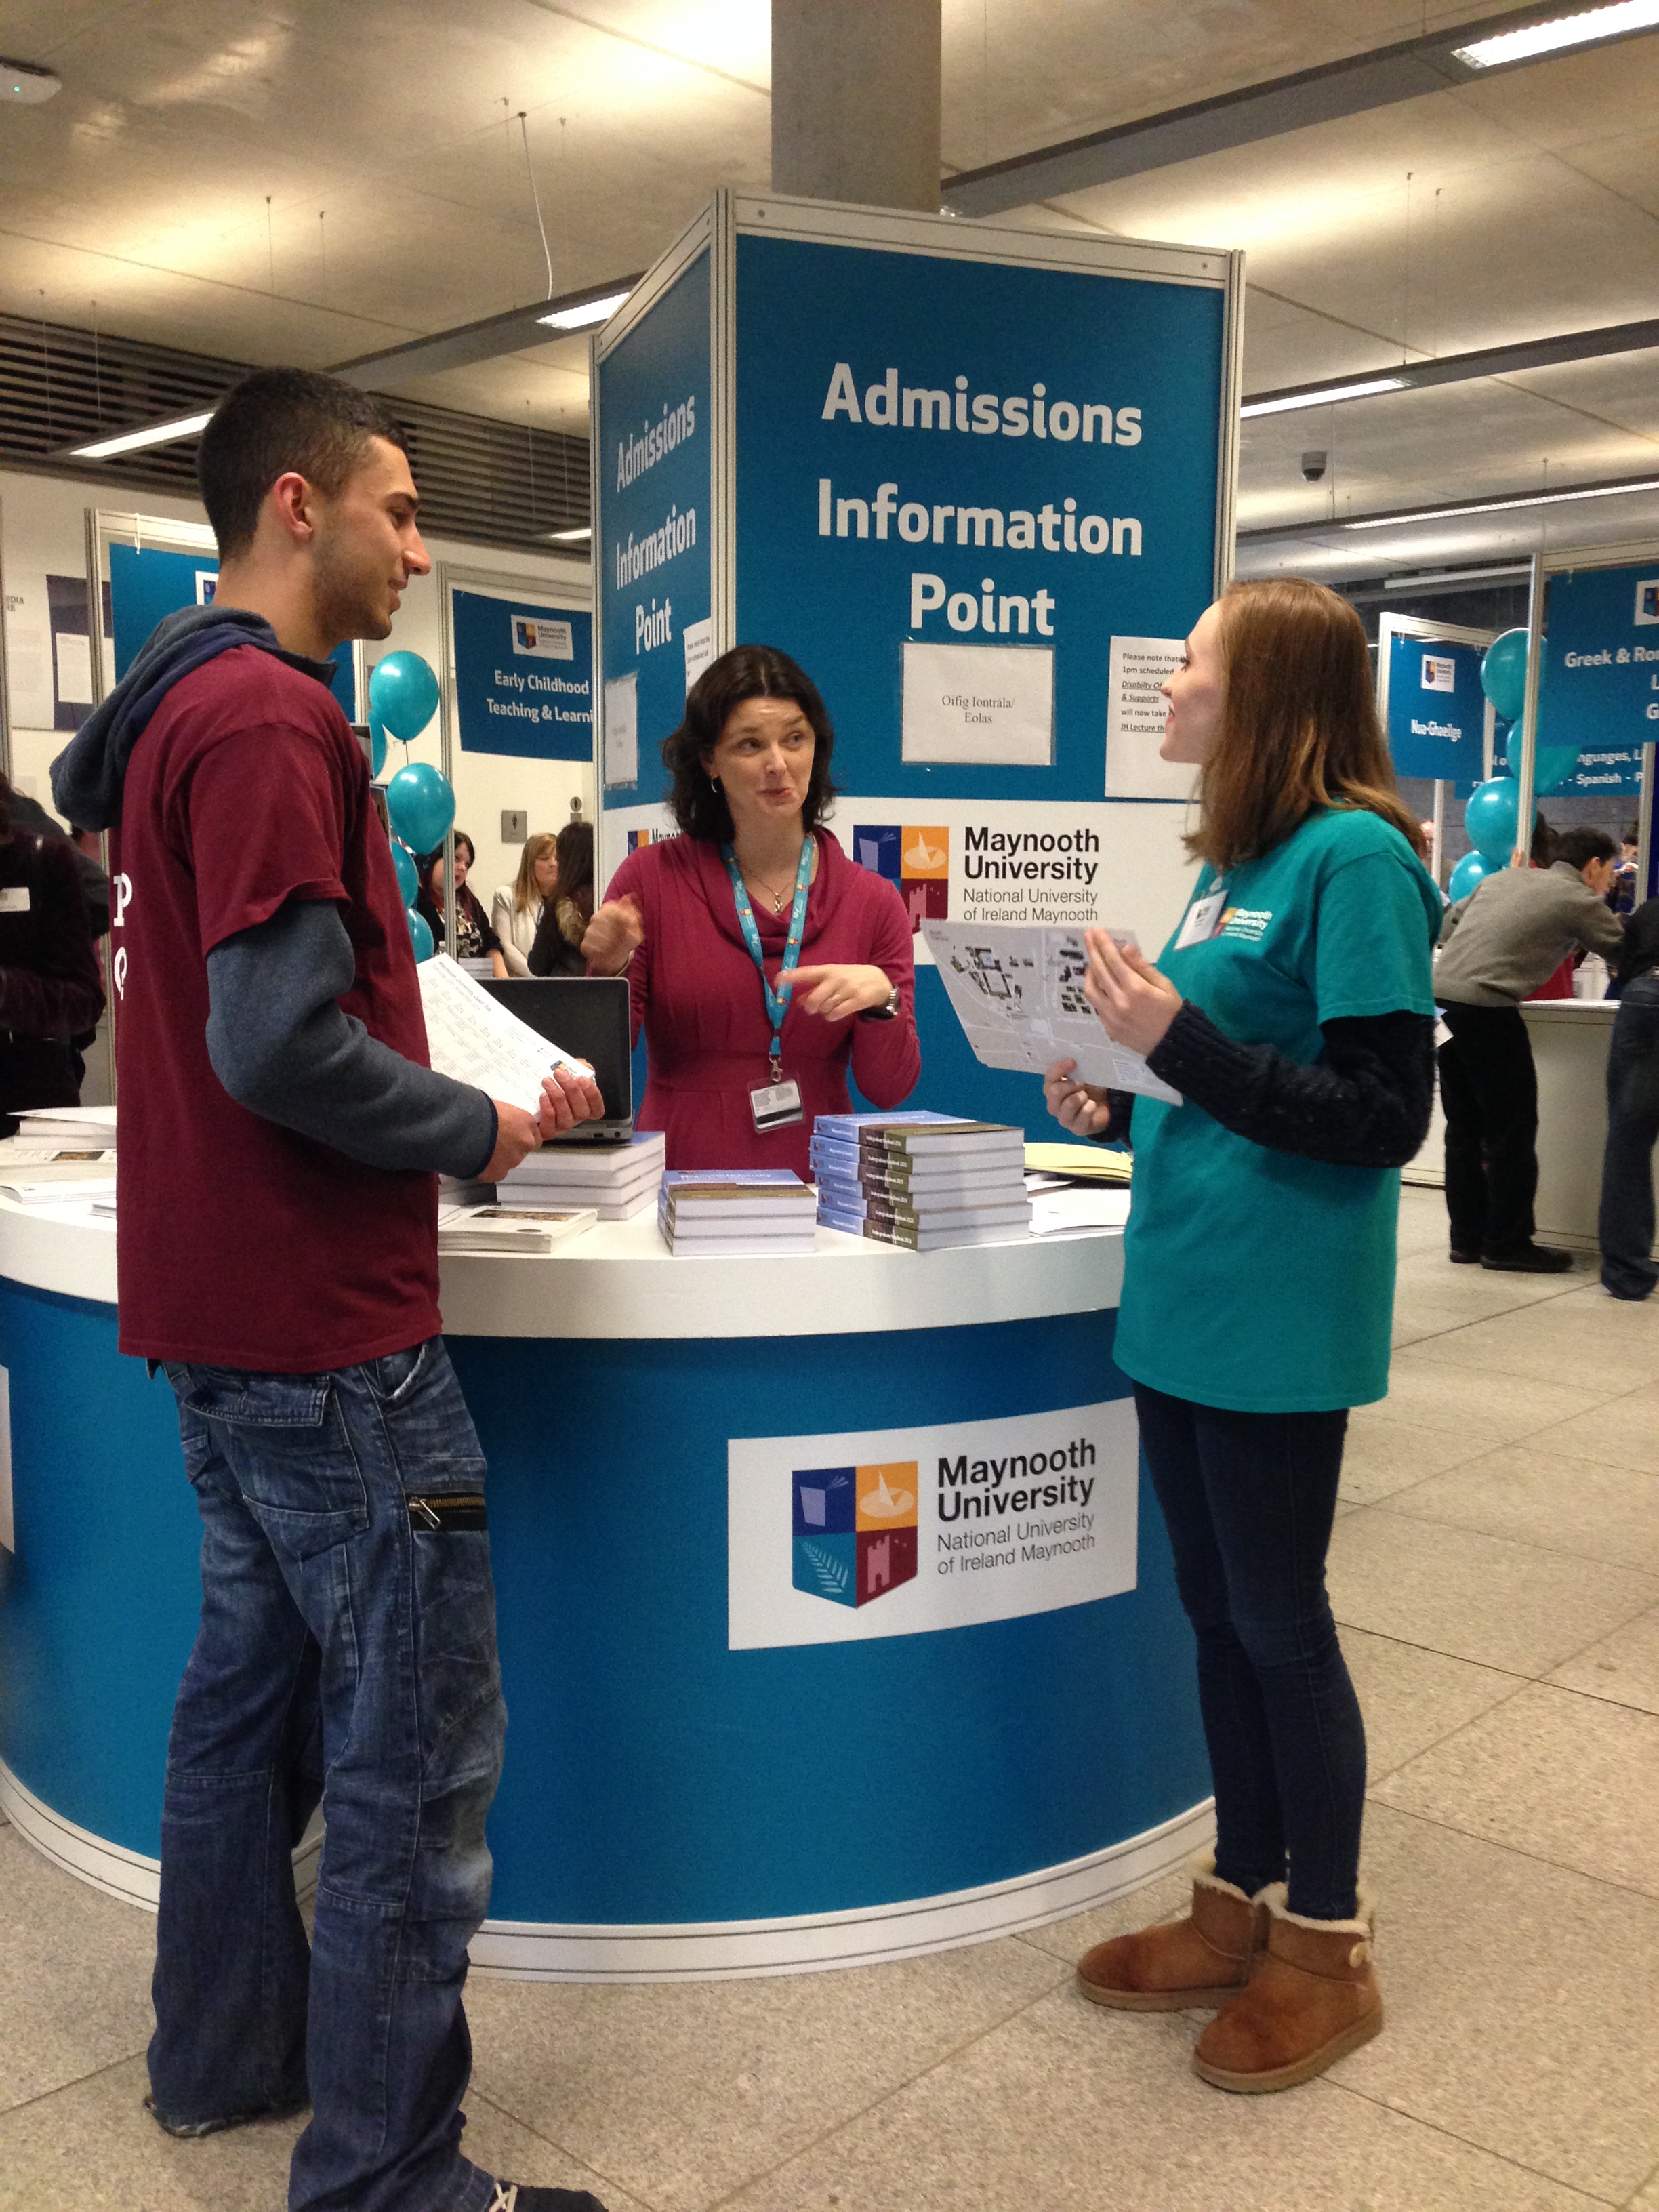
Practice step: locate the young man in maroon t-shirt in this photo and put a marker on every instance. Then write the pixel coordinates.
(278, 1255)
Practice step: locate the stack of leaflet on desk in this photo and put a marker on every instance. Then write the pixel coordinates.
(923, 1181)
(754, 1211)
(463, 1228)
(78, 1127)
(617, 1181)
(23, 1188)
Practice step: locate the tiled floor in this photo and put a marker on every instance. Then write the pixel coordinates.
(1497, 1572)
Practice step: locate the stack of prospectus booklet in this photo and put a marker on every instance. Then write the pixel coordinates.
(617, 1181)
(928, 1181)
(753, 1210)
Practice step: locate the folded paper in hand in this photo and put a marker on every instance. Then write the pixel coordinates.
(1018, 990)
(471, 1036)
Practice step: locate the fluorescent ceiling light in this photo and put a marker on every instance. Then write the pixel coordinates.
(1322, 396)
(569, 537)
(594, 311)
(27, 82)
(1535, 38)
(158, 434)
(1501, 506)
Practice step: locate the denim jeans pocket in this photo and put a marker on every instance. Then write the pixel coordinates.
(287, 1443)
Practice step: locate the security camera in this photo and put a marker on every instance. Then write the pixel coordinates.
(1313, 466)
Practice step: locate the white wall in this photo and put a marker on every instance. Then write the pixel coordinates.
(43, 532)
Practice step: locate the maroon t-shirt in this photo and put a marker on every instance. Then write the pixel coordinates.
(240, 1243)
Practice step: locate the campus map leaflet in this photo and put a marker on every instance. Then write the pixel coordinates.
(1016, 988)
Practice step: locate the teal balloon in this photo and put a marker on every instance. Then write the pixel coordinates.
(1490, 818)
(420, 935)
(409, 876)
(376, 744)
(404, 692)
(1466, 874)
(1503, 674)
(422, 803)
(1554, 766)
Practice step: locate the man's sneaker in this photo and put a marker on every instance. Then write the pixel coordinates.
(1530, 1259)
(520, 2196)
(196, 2131)
(1464, 1259)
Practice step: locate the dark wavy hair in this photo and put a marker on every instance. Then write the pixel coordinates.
(748, 671)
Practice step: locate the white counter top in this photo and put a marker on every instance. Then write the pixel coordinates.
(1591, 1011)
(619, 1280)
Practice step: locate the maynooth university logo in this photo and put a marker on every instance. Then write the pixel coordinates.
(855, 1530)
(917, 862)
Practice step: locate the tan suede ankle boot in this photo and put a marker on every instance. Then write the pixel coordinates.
(1312, 1999)
(1204, 1960)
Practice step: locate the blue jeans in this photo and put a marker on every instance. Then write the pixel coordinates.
(347, 1650)
(1249, 1499)
(1624, 1229)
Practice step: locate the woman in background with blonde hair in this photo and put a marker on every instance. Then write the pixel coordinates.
(516, 908)
(1293, 1011)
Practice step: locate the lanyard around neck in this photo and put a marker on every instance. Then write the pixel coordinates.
(777, 1003)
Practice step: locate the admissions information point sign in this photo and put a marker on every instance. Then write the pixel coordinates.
(978, 481)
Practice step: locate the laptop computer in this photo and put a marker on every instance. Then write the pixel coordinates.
(586, 1015)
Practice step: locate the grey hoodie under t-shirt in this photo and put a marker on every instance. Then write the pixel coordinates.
(1513, 931)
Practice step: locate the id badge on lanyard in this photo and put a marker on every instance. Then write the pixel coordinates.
(776, 1104)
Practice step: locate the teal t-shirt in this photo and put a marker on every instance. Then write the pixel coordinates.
(1255, 1280)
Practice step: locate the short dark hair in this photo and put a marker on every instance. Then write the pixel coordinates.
(276, 420)
(748, 671)
(1578, 848)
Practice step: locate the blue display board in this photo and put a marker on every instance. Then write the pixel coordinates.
(524, 677)
(654, 426)
(969, 454)
(1599, 687)
(147, 583)
(1437, 709)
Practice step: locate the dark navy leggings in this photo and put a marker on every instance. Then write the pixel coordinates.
(1249, 1499)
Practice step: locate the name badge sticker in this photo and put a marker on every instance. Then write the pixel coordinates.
(15, 899)
(1203, 920)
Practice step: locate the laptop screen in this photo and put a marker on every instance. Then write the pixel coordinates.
(586, 1015)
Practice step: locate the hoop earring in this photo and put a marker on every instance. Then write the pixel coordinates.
(713, 783)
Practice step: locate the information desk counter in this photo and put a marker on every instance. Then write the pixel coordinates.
(837, 1620)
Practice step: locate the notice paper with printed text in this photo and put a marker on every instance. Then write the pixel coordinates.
(1016, 988)
(473, 1038)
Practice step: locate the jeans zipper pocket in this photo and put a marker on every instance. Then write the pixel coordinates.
(445, 1514)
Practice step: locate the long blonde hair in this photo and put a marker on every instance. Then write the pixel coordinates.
(1299, 728)
(526, 891)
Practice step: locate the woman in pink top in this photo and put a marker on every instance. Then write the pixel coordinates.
(732, 1084)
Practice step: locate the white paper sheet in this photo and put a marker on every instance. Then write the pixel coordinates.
(621, 731)
(698, 638)
(1135, 708)
(473, 1038)
(1076, 1212)
(1017, 989)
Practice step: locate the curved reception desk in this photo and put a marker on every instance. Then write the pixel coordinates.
(837, 1620)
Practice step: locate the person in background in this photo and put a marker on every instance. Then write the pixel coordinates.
(558, 947)
(761, 962)
(276, 1252)
(474, 938)
(1625, 890)
(1293, 1010)
(1496, 946)
(51, 992)
(517, 907)
(28, 814)
(1624, 1225)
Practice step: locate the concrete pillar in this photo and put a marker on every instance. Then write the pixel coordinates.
(856, 101)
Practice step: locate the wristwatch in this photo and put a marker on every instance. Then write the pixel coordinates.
(885, 1013)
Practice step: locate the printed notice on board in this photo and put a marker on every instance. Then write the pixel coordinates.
(989, 706)
(1134, 721)
(698, 639)
(622, 730)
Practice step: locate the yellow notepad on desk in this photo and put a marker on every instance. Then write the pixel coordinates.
(1089, 1163)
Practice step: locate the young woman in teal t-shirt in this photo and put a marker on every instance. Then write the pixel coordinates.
(1293, 1011)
